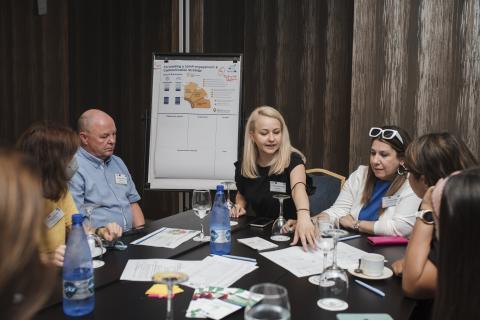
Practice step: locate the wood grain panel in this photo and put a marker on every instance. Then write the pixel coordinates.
(415, 64)
(34, 66)
(111, 59)
(291, 65)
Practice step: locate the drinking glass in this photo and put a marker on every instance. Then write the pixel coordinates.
(333, 284)
(201, 204)
(333, 289)
(278, 230)
(324, 243)
(87, 211)
(170, 277)
(336, 233)
(96, 251)
(274, 302)
(229, 202)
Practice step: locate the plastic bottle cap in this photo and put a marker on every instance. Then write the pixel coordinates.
(220, 187)
(77, 218)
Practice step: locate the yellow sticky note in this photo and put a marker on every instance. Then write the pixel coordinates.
(161, 290)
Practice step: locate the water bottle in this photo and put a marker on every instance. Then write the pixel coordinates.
(78, 285)
(220, 239)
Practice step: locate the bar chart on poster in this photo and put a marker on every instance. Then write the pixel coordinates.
(194, 122)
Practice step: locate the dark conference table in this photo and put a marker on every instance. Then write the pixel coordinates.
(115, 299)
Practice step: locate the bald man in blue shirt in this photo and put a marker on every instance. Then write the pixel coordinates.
(102, 178)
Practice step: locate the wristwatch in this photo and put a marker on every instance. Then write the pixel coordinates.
(426, 216)
(356, 225)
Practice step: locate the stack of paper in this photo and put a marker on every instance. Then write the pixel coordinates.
(212, 271)
(306, 263)
(218, 271)
(257, 243)
(166, 238)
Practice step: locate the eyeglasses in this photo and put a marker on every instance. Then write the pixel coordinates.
(388, 134)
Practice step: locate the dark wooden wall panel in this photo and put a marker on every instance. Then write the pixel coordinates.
(293, 63)
(111, 46)
(33, 66)
(415, 64)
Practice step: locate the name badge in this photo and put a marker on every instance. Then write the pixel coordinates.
(53, 217)
(120, 178)
(391, 201)
(276, 186)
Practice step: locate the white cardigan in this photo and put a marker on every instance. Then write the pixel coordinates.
(397, 220)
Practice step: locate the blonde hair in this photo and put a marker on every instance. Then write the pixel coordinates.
(281, 159)
(21, 228)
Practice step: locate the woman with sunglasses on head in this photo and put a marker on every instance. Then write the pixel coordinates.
(53, 148)
(377, 199)
(271, 165)
(428, 158)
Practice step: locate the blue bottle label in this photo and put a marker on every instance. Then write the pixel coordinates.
(78, 290)
(220, 236)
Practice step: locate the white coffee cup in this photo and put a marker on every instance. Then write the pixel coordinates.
(372, 264)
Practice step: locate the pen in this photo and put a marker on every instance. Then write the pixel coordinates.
(238, 258)
(350, 237)
(369, 287)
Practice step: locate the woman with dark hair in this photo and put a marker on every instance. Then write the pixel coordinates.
(428, 158)
(25, 282)
(53, 148)
(457, 222)
(377, 199)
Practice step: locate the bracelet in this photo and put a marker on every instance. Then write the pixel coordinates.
(303, 210)
(297, 184)
(356, 225)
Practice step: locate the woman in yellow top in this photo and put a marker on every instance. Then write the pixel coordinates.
(53, 149)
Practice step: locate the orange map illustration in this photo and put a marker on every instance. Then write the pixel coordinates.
(196, 96)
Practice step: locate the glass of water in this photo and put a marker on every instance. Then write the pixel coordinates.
(267, 301)
(201, 204)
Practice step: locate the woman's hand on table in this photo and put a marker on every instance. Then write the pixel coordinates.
(347, 221)
(304, 231)
(397, 267)
(237, 211)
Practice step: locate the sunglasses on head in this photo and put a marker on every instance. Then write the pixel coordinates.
(385, 133)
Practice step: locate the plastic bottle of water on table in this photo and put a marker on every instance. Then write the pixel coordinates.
(78, 284)
(220, 238)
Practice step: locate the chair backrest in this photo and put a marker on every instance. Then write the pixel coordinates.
(327, 187)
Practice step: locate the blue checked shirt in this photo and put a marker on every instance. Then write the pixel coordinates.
(106, 183)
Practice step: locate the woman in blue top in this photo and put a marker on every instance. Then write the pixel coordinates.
(378, 199)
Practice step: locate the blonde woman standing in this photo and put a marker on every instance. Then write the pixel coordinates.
(271, 165)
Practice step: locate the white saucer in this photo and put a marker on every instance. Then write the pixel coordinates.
(233, 223)
(97, 250)
(387, 273)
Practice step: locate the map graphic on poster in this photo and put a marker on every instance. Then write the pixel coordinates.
(194, 121)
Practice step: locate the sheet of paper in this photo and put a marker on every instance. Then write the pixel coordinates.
(218, 271)
(144, 269)
(257, 243)
(166, 238)
(303, 264)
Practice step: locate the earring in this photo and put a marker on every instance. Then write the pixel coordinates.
(402, 171)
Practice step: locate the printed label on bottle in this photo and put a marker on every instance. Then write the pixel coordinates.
(220, 236)
(78, 290)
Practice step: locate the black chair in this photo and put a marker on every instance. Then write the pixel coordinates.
(327, 187)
